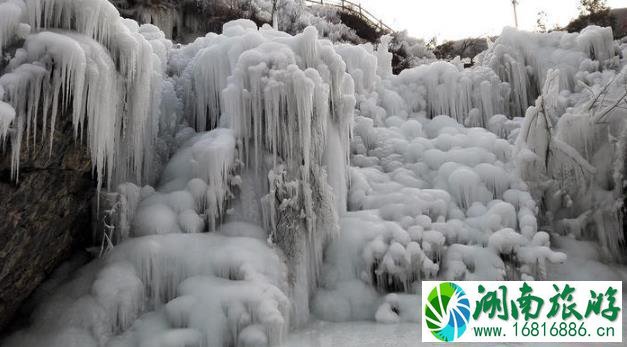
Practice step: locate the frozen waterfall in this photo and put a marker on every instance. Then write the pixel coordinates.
(252, 179)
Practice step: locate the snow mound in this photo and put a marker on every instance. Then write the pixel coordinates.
(523, 60)
(203, 289)
(165, 279)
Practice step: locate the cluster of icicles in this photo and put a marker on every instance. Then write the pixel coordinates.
(285, 96)
(81, 58)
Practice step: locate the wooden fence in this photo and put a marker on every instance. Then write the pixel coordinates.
(356, 10)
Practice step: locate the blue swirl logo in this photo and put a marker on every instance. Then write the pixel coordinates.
(447, 311)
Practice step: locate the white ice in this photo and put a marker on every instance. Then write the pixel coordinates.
(259, 181)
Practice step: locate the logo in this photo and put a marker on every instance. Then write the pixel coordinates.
(447, 311)
(522, 311)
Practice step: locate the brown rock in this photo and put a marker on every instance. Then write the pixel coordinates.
(45, 216)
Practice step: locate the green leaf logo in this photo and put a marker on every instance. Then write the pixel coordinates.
(447, 311)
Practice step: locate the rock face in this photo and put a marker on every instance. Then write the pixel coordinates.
(45, 216)
(185, 20)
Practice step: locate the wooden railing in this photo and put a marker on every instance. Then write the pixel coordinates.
(356, 10)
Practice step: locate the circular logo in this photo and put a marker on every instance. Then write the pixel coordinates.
(447, 311)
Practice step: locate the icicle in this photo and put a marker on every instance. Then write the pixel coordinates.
(210, 69)
(443, 89)
(83, 72)
(7, 116)
(25, 80)
(212, 157)
(384, 58)
(10, 15)
(523, 59)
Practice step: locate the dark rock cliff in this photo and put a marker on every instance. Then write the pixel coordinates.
(45, 216)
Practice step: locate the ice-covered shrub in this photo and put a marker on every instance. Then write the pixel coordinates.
(523, 59)
(573, 159)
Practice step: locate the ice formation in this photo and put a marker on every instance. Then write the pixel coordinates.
(523, 59)
(431, 198)
(187, 19)
(304, 86)
(81, 58)
(198, 289)
(256, 176)
(573, 159)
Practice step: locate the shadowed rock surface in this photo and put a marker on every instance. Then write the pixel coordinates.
(46, 216)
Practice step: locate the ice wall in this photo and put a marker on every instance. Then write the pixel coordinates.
(287, 148)
(290, 103)
(523, 59)
(429, 197)
(471, 96)
(81, 59)
(573, 158)
(167, 281)
(164, 290)
(570, 145)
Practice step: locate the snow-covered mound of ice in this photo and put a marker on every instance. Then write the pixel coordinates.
(166, 282)
(571, 150)
(431, 199)
(194, 190)
(471, 96)
(290, 104)
(523, 59)
(164, 290)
